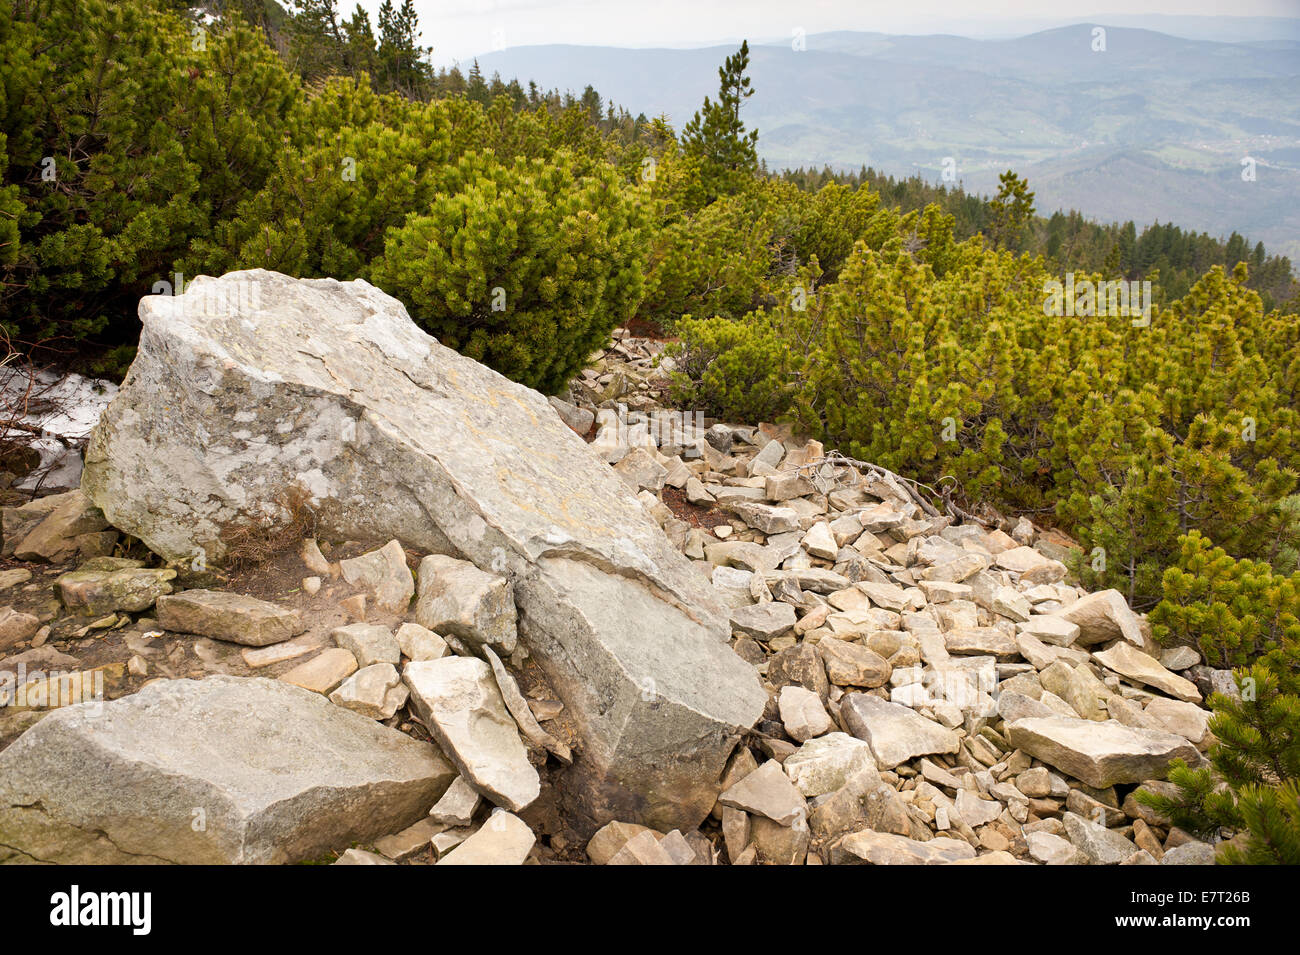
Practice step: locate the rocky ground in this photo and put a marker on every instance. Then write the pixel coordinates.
(557, 687)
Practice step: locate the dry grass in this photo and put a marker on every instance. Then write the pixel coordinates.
(251, 544)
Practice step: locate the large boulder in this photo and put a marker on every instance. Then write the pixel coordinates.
(252, 390)
(1100, 753)
(221, 770)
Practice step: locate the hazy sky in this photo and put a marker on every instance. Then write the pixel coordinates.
(459, 29)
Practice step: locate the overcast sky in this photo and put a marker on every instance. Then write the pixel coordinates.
(460, 29)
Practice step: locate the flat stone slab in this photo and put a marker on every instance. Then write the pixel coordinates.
(767, 791)
(458, 700)
(220, 770)
(505, 839)
(884, 848)
(763, 621)
(894, 732)
(225, 616)
(1130, 662)
(132, 589)
(323, 672)
(1103, 753)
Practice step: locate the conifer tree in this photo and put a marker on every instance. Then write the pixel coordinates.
(716, 138)
(1011, 210)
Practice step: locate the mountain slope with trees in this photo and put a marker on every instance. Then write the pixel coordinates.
(140, 144)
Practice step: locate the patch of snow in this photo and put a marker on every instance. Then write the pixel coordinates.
(57, 412)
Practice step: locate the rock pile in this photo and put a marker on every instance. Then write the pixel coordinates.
(938, 692)
(682, 642)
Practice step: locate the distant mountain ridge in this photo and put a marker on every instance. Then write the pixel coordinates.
(1153, 127)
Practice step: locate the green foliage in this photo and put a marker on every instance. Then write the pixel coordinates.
(528, 268)
(1253, 786)
(935, 358)
(716, 138)
(1239, 613)
(128, 136)
(1072, 240)
(1233, 611)
(1010, 211)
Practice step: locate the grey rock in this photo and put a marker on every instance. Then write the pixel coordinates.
(802, 714)
(1102, 846)
(132, 589)
(763, 621)
(457, 806)
(56, 535)
(328, 387)
(279, 775)
(362, 857)
(1128, 661)
(1179, 658)
(767, 791)
(895, 733)
(368, 642)
(457, 598)
(458, 700)
(825, 764)
(375, 691)
(504, 839)
(420, 643)
(883, 848)
(1103, 616)
(225, 616)
(384, 574)
(1189, 853)
(850, 664)
(1100, 753)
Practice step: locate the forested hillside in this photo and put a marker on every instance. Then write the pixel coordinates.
(906, 325)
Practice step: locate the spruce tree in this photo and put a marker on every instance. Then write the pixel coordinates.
(716, 138)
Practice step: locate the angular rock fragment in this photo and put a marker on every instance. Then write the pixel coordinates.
(132, 589)
(420, 643)
(384, 573)
(883, 848)
(1103, 616)
(850, 664)
(457, 598)
(1100, 845)
(458, 700)
(802, 714)
(767, 791)
(278, 773)
(323, 672)
(825, 764)
(1128, 661)
(504, 839)
(895, 733)
(368, 642)
(225, 616)
(1100, 753)
(763, 621)
(457, 806)
(375, 691)
(57, 535)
